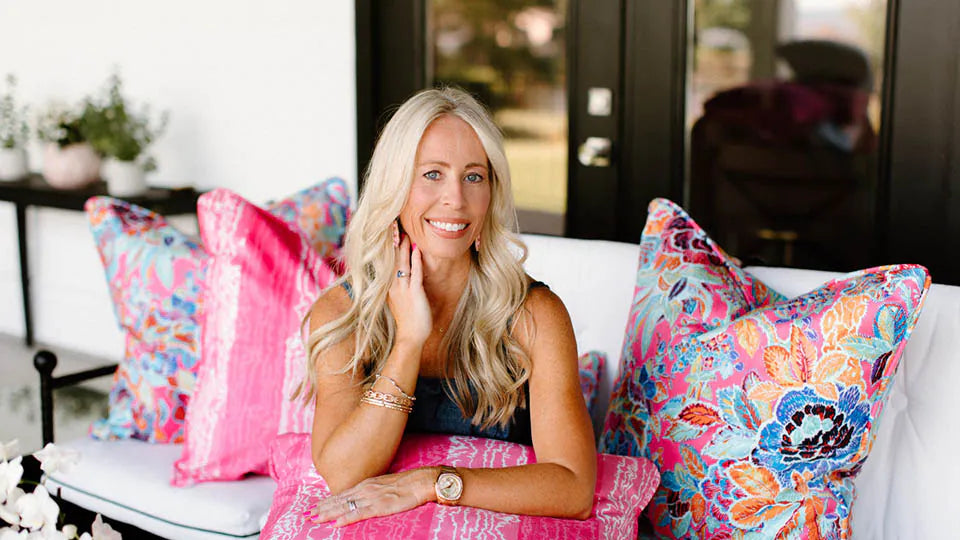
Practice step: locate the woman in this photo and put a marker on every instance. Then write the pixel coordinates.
(435, 314)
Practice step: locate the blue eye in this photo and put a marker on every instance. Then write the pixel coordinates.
(474, 178)
(432, 175)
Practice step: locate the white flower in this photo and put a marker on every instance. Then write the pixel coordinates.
(53, 459)
(101, 531)
(8, 450)
(37, 509)
(10, 474)
(8, 533)
(8, 510)
(69, 531)
(51, 533)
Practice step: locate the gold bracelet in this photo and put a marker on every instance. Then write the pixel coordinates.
(389, 398)
(395, 385)
(386, 405)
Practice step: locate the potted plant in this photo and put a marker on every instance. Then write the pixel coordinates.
(13, 135)
(122, 136)
(69, 161)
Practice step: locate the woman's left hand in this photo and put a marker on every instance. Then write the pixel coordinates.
(377, 496)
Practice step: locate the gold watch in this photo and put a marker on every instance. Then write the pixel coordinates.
(449, 486)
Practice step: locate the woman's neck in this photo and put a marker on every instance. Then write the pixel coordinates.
(444, 281)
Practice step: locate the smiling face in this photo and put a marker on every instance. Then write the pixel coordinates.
(450, 192)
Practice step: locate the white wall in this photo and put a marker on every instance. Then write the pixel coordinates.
(262, 101)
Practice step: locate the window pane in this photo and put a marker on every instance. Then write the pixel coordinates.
(783, 116)
(511, 55)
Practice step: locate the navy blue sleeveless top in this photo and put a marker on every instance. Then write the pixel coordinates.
(435, 411)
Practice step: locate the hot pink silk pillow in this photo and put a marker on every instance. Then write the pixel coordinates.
(624, 486)
(262, 278)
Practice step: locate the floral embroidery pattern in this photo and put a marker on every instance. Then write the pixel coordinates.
(760, 411)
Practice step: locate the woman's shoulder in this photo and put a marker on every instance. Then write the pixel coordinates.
(542, 305)
(332, 304)
(540, 296)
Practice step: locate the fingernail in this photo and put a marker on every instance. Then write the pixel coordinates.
(414, 246)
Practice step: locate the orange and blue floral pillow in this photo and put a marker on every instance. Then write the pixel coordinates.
(684, 282)
(156, 275)
(759, 411)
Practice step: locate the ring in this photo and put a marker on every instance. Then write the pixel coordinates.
(402, 274)
(352, 505)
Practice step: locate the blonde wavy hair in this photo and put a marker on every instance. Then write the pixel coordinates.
(479, 344)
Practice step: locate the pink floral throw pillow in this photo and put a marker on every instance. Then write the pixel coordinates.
(759, 421)
(261, 280)
(156, 275)
(624, 486)
(683, 279)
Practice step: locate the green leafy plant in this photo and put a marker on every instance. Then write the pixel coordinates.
(13, 119)
(61, 124)
(116, 130)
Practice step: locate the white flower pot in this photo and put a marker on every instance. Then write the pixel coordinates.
(124, 178)
(13, 164)
(72, 167)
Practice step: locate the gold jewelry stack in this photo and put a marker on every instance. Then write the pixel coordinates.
(402, 403)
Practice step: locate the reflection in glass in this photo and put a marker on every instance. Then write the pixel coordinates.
(511, 55)
(783, 112)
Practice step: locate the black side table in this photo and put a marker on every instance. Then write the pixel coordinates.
(34, 191)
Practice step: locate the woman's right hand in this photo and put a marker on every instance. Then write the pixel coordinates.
(406, 298)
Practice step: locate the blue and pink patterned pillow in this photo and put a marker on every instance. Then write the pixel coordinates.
(591, 369)
(156, 276)
(759, 411)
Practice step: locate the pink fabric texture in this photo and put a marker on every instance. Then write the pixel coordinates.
(624, 486)
(261, 280)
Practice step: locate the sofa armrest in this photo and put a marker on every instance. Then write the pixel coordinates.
(45, 362)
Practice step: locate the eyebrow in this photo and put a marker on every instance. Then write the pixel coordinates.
(445, 164)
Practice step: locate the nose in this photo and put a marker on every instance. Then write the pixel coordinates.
(452, 195)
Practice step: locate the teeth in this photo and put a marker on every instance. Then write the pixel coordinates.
(451, 227)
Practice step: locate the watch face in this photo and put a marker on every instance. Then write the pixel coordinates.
(449, 486)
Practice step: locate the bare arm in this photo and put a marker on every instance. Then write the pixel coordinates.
(560, 484)
(353, 441)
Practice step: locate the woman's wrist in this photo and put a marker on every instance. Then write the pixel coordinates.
(427, 481)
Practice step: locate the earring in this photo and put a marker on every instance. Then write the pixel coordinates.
(476, 244)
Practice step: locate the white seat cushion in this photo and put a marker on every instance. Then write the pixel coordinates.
(130, 482)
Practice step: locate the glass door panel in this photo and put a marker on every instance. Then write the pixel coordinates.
(512, 55)
(782, 118)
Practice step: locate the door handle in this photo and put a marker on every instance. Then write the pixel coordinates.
(595, 152)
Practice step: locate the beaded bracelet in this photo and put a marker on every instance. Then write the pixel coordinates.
(389, 398)
(386, 404)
